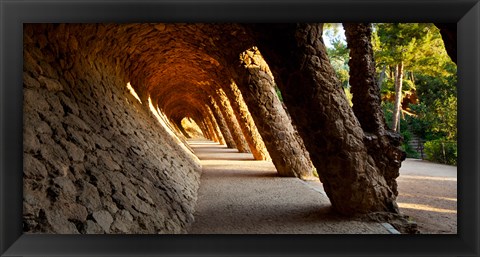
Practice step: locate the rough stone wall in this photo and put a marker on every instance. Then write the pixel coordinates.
(96, 160)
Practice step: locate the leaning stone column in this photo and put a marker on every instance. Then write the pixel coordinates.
(383, 145)
(257, 87)
(206, 131)
(209, 116)
(222, 125)
(249, 129)
(318, 106)
(231, 121)
(211, 130)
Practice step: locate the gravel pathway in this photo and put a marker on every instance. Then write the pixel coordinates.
(428, 194)
(239, 195)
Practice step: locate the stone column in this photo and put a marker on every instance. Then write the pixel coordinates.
(366, 94)
(203, 126)
(249, 129)
(222, 125)
(231, 121)
(211, 119)
(211, 131)
(382, 144)
(318, 106)
(258, 90)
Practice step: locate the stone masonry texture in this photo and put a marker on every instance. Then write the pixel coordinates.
(319, 109)
(95, 161)
(100, 159)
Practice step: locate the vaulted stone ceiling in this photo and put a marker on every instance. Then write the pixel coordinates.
(168, 62)
(173, 62)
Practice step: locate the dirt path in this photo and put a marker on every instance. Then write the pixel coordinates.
(428, 194)
(239, 195)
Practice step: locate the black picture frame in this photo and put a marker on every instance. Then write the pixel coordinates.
(466, 13)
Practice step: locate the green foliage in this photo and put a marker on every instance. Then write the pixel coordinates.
(349, 95)
(418, 45)
(419, 124)
(406, 134)
(442, 151)
(430, 88)
(279, 94)
(443, 117)
(428, 72)
(388, 86)
(387, 111)
(409, 150)
(437, 111)
(337, 51)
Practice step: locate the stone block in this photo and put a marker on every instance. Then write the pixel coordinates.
(103, 219)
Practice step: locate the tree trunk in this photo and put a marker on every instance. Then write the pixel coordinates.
(398, 97)
(382, 76)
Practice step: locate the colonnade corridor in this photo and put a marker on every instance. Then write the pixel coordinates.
(239, 195)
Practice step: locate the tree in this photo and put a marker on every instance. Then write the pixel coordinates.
(414, 47)
(438, 105)
(337, 51)
(338, 54)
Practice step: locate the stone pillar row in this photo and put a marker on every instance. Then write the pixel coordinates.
(353, 180)
(231, 121)
(245, 120)
(251, 118)
(273, 123)
(222, 124)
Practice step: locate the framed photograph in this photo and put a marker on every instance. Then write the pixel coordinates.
(55, 169)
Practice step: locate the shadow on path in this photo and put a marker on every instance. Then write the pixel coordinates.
(239, 195)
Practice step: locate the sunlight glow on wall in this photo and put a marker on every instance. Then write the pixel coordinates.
(132, 91)
(191, 127)
(164, 122)
(160, 118)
